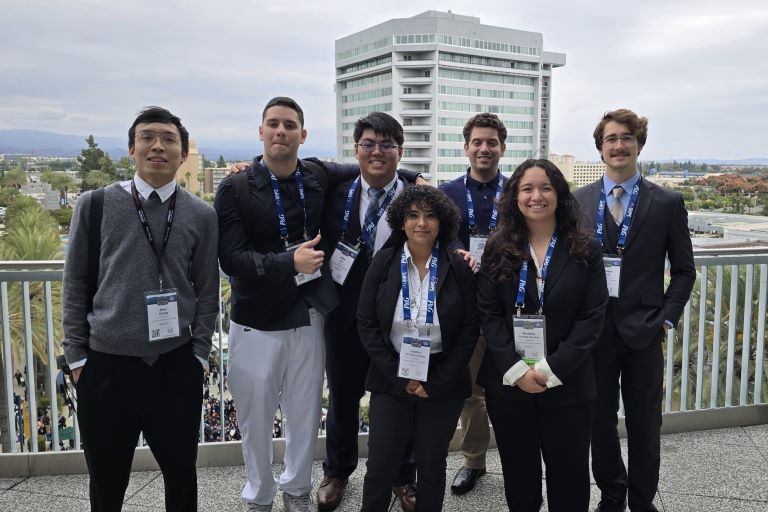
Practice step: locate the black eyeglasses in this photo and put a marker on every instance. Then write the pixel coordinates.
(384, 147)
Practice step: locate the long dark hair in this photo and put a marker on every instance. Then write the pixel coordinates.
(508, 246)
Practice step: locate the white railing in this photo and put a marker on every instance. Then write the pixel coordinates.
(715, 358)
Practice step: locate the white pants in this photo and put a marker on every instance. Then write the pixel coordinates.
(267, 368)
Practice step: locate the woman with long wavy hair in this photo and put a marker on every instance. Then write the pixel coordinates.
(541, 297)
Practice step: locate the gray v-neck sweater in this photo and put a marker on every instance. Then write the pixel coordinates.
(118, 323)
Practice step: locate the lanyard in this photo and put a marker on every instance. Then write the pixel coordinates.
(624, 223)
(279, 204)
(370, 222)
(148, 231)
(471, 206)
(520, 303)
(432, 285)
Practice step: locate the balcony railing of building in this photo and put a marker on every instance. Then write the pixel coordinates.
(714, 359)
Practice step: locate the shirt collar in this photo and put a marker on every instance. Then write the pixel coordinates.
(409, 258)
(365, 186)
(473, 183)
(145, 189)
(609, 184)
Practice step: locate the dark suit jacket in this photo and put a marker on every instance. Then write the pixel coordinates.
(659, 230)
(342, 320)
(448, 375)
(575, 297)
(264, 293)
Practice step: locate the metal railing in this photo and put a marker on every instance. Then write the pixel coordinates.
(717, 349)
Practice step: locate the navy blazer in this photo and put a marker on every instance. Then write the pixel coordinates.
(575, 298)
(659, 229)
(448, 375)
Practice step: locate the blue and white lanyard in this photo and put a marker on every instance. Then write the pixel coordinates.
(370, 222)
(279, 204)
(471, 206)
(599, 227)
(432, 286)
(520, 303)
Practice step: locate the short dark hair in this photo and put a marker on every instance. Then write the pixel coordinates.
(154, 114)
(284, 101)
(508, 246)
(485, 120)
(636, 124)
(382, 124)
(424, 196)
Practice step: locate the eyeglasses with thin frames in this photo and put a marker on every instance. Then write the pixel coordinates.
(626, 140)
(147, 138)
(384, 147)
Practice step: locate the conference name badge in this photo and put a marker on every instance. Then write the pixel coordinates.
(612, 266)
(414, 358)
(530, 337)
(303, 278)
(162, 314)
(477, 247)
(341, 262)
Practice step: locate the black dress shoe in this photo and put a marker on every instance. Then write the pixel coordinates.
(611, 505)
(465, 480)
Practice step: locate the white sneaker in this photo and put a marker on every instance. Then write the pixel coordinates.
(255, 507)
(297, 503)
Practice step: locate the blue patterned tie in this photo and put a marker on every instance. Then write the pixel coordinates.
(374, 194)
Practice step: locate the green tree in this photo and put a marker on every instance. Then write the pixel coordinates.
(7, 194)
(63, 217)
(97, 179)
(31, 235)
(125, 167)
(201, 181)
(188, 176)
(221, 163)
(107, 166)
(60, 181)
(89, 160)
(15, 177)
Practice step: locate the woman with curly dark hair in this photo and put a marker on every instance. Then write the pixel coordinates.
(542, 296)
(417, 318)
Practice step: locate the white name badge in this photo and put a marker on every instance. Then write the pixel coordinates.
(302, 278)
(341, 262)
(414, 358)
(612, 274)
(162, 314)
(530, 337)
(477, 247)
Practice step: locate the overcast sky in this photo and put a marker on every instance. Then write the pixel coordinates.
(698, 69)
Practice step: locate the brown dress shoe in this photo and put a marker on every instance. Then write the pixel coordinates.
(330, 493)
(407, 496)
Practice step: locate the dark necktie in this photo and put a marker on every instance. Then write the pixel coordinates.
(374, 194)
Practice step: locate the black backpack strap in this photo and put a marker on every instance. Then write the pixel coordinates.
(243, 197)
(94, 242)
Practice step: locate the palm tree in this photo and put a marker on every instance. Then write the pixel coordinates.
(97, 179)
(15, 178)
(59, 181)
(31, 235)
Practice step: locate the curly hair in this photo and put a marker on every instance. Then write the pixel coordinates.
(508, 246)
(485, 120)
(427, 198)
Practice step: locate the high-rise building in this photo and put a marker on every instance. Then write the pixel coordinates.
(433, 72)
(190, 171)
(576, 171)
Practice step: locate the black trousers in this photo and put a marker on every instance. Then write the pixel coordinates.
(526, 432)
(641, 373)
(119, 397)
(396, 424)
(346, 365)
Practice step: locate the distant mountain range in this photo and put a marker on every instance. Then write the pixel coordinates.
(42, 143)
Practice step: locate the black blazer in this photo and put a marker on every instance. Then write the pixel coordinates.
(448, 375)
(264, 293)
(659, 230)
(575, 297)
(342, 319)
